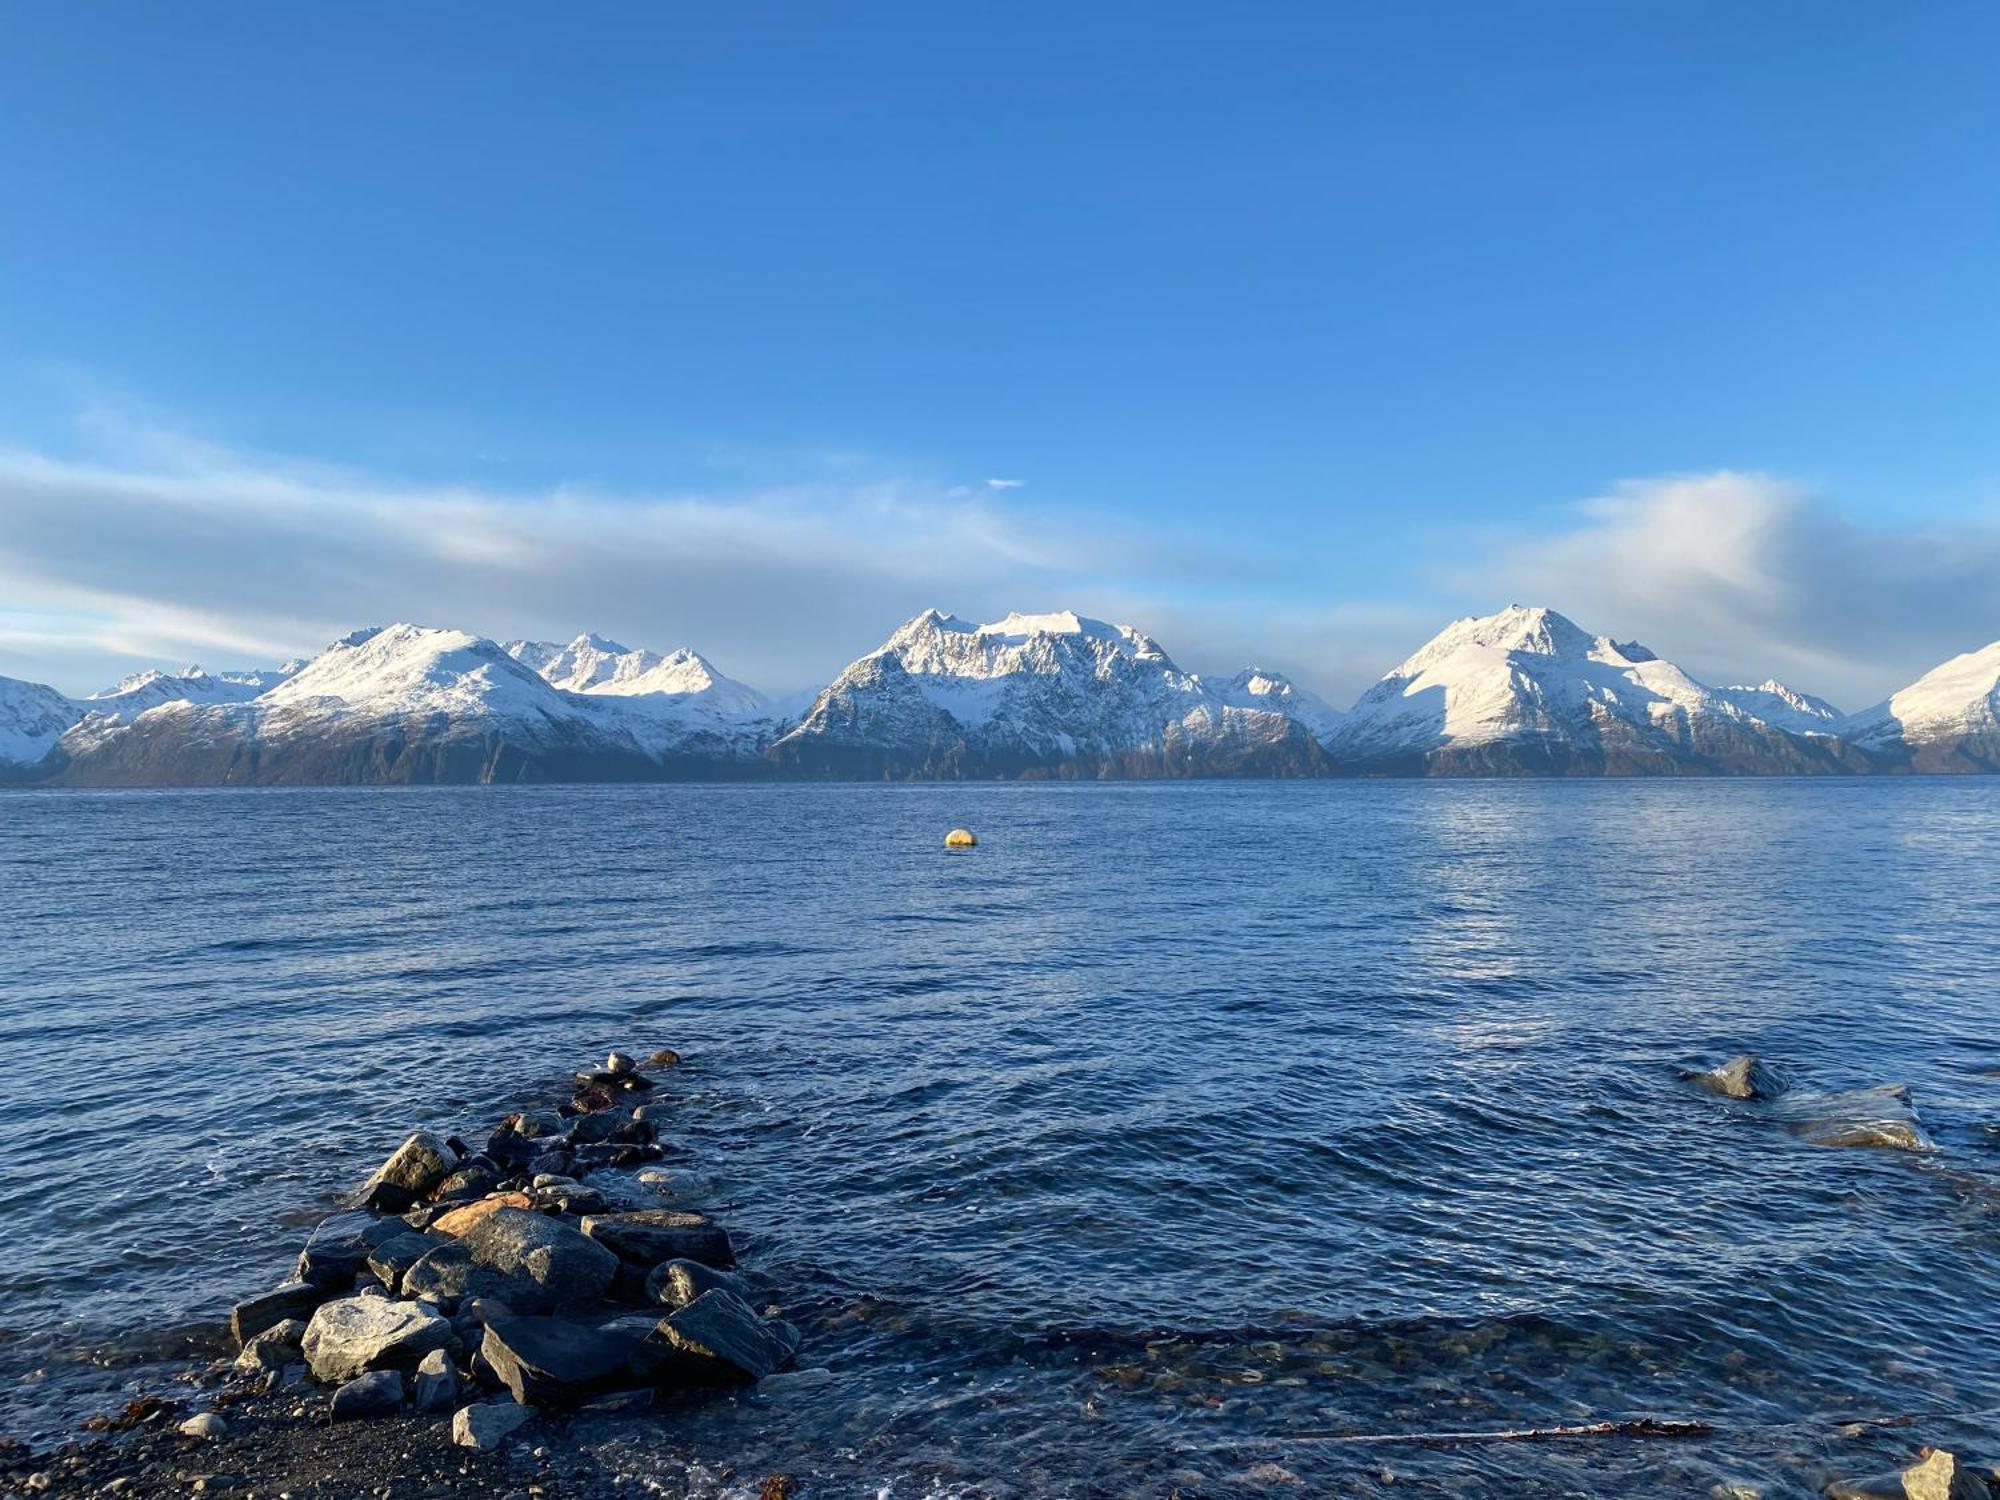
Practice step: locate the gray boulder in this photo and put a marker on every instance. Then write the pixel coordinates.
(412, 1170)
(277, 1346)
(486, 1424)
(719, 1339)
(475, 1179)
(337, 1249)
(295, 1299)
(568, 1268)
(448, 1274)
(436, 1387)
(647, 1236)
(1936, 1475)
(353, 1335)
(676, 1283)
(375, 1394)
(558, 1361)
(1742, 1077)
(394, 1256)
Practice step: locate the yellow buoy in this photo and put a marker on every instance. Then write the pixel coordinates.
(959, 838)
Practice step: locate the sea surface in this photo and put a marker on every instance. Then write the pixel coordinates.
(1175, 1131)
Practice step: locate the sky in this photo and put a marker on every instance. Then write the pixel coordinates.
(1284, 332)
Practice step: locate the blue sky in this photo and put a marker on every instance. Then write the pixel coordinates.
(1296, 328)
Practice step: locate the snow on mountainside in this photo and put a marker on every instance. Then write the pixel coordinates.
(146, 690)
(1276, 693)
(1786, 707)
(32, 721)
(1033, 694)
(1528, 691)
(592, 664)
(411, 703)
(1947, 720)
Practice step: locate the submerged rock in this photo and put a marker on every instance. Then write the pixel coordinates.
(374, 1394)
(666, 1057)
(1937, 1475)
(412, 1170)
(486, 1424)
(676, 1283)
(647, 1236)
(718, 1337)
(567, 1267)
(1742, 1077)
(255, 1315)
(353, 1335)
(557, 1361)
(1882, 1117)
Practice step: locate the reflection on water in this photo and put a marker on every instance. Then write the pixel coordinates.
(1178, 1130)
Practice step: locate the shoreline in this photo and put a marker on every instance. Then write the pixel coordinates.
(479, 1320)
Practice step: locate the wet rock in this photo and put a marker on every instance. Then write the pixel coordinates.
(394, 1256)
(1880, 1117)
(533, 1124)
(486, 1424)
(353, 1335)
(559, 1162)
(558, 1361)
(454, 1222)
(449, 1275)
(412, 1170)
(619, 1062)
(606, 1081)
(337, 1250)
(647, 1236)
(475, 1179)
(1742, 1077)
(573, 1198)
(254, 1315)
(568, 1268)
(436, 1385)
(1881, 1487)
(1938, 1475)
(375, 1394)
(585, 1130)
(677, 1183)
(676, 1283)
(718, 1338)
(204, 1424)
(274, 1348)
(666, 1057)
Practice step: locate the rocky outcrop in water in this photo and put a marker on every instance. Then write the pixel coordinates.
(1884, 1116)
(467, 1276)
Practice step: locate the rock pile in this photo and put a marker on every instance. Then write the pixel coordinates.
(487, 1283)
(1883, 1116)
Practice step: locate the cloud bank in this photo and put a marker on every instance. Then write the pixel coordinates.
(174, 550)
(1737, 576)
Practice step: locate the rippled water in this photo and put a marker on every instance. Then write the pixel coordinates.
(1175, 1130)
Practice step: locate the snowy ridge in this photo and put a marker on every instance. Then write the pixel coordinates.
(1524, 691)
(1947, 720)
(1055, 693)
(1527, 690)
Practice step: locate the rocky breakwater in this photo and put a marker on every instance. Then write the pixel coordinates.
(461, 1276)
(482, 1285)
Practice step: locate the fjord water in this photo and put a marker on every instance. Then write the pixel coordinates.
(1175, 1130)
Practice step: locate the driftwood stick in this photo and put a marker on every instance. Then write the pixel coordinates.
(1639, 1427)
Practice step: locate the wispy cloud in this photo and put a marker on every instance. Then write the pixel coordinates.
(174, 548)
(1739, 575)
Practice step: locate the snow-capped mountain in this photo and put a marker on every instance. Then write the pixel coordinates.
(145, 690)
(592, 664)
(1522, 692)
(411, 703)
(1527, 691)
(33, 719)
(1045, 694)
(1947, 720)
(1786, 707)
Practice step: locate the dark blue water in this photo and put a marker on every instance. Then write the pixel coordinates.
(1177, 1129)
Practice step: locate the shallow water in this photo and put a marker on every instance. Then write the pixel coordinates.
(1175, 1130)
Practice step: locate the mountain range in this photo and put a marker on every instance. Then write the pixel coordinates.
(1521, 692)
